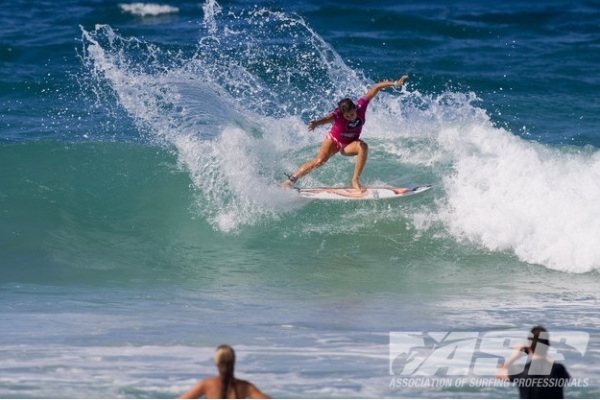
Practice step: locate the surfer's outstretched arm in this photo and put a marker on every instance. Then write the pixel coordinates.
(321, 121)
(384, 84)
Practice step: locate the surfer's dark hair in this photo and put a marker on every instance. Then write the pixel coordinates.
(346, 105)
(539, 334)
(225, 361)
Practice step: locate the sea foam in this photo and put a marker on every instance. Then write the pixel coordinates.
(148, 9)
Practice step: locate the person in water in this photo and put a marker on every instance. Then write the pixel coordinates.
(344, 136)
(226, 385)
(541, 377)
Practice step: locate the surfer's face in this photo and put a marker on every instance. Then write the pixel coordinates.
(350, 115)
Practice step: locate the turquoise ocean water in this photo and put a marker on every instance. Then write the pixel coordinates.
(142, 224)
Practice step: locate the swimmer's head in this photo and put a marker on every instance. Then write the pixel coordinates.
(225, 359)
(225, 362)
(539, 335)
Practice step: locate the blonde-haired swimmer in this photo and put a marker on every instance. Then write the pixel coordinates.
(344, 136)
(225, 385)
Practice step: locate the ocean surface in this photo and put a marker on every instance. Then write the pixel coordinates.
(142, 224)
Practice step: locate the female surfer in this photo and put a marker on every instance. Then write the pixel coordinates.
(344, 136)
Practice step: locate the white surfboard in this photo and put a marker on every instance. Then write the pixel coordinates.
(349, 193)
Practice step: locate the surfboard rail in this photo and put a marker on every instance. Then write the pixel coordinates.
(349, 193)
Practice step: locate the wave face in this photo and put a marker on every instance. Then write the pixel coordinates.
(233, 108)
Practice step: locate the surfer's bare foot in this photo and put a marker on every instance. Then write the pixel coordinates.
(289, 182)
(358, 186)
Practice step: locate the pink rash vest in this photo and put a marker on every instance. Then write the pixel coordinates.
(344, 132)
